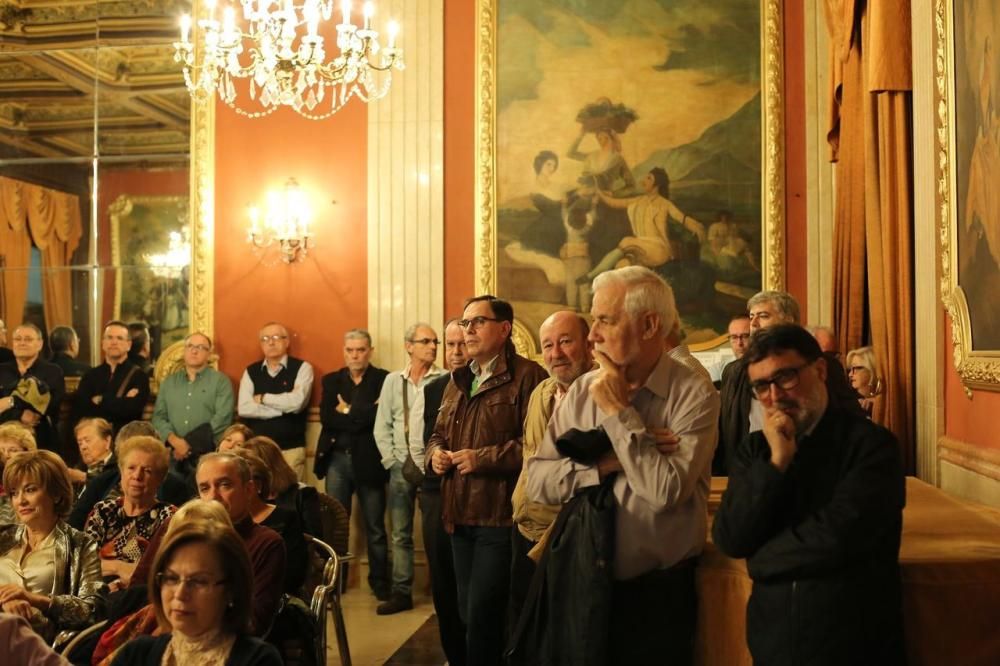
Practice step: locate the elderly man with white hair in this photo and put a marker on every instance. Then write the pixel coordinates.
(647, 404)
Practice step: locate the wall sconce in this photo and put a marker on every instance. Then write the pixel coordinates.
(285, 223)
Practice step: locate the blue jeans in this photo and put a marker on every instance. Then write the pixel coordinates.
(340, 484)
(402, 496)
(482, 575)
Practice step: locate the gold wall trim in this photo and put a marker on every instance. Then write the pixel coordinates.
(772, 151)
(202, 189)
(977, 369)
(978, 459)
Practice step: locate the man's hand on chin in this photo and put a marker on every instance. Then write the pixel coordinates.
(610, 390)
(779, 430)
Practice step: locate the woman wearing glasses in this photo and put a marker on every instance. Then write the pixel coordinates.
(864, 377)
(201, 592)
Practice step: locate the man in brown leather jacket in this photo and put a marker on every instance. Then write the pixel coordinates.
(476, 448)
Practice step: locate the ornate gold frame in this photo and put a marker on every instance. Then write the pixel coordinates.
(772, 155)
(118, 209)
(977, 369)
(202, 191)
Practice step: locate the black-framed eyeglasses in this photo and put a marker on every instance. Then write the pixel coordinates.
(743, 337)
(203, 348)
(426, 341)
(197, 584)
(785, 379)
(475, 323)
(856, 368)
(272, 338)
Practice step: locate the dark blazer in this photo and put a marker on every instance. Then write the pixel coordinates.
(351, 432)
(6, 355)
(69, 365)
(433, 392)
(96, 489)
(148, 651)
(821, 541)
(100, 381)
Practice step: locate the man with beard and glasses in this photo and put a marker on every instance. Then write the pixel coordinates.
(814, 503)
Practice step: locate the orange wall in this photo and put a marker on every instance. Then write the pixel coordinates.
(318, 299)
(459, 154)
(971, 421)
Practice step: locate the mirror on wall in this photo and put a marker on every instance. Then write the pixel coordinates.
(95, 135)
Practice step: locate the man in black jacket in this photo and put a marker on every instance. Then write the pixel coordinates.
(346, 453)
(815, 504)
(65, 346)
(23, 400)
(116, 390)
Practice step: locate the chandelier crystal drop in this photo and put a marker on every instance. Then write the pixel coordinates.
(276, 56)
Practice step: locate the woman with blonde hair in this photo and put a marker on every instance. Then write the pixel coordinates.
(15, 438)
(201, 588)
(50, 573)
(864, 377)
(123, 526)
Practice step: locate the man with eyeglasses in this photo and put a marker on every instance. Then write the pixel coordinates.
(400, 420)
(274, 394)
(34, 403)
(814, 503)
(116, 390)
(660, 420)
(476, 448)
(193, 407)
(733, 377)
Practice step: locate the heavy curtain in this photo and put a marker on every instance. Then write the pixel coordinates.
(50, 220)
(871, 139)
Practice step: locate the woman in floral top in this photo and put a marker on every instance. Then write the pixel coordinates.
(123, 526)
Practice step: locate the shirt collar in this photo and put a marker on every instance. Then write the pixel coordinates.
(659, 379)
(432, 372)
(477, 370)
(282, 362)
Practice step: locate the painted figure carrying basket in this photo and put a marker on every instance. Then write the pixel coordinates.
(603, 114)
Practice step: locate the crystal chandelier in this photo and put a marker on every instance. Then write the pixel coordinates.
(280, 67)
(285, 223)
(171, 263)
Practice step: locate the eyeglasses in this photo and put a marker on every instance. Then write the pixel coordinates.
(197, 584)
(272, 338)
(20, 338)
(203, 348)
(742, 337)
(426, 341)
(475, 323)
(785, 379)
(856, 368)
